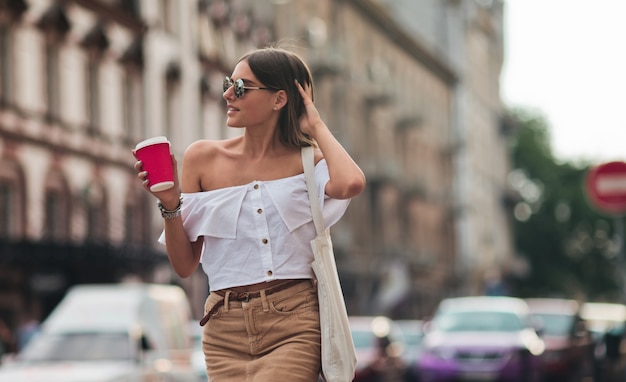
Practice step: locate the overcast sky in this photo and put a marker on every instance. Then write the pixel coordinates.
(567, 59)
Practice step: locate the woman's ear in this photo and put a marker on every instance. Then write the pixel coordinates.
(281, 100)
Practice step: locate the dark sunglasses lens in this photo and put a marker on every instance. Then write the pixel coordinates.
(239, 89)
(237, 86)
(226, 84)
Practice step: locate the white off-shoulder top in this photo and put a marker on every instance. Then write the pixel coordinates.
(260, 231)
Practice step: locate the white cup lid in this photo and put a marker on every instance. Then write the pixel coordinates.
(161, 186)
(151, 141)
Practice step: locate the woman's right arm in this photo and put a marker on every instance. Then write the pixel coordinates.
(184, 255)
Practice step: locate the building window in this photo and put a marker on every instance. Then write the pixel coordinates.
(5, 66)
(131, 228)
(93, 224)
(57, 209)
(6, 208)
(97, 214)
(12, 196)
(171, 109)
(52, 80)
(93, 95)
(137, 222)
(55, 220)
(133, 105)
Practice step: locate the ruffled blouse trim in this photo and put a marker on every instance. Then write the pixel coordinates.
(216, 213)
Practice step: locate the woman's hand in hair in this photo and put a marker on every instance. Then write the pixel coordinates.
(311, 119)
(346, 178)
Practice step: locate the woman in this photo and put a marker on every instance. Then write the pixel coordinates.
(246, 218)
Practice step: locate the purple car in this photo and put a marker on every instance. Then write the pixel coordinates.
(481, 339)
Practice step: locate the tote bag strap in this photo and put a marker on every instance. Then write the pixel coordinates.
(308, 162)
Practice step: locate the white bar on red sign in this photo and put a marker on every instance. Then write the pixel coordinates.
(611, 184)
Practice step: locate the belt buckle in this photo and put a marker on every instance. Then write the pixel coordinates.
(244, 297)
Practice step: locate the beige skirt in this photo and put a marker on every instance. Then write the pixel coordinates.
(268, 337)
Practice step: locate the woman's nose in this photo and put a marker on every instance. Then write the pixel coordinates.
(228, 93)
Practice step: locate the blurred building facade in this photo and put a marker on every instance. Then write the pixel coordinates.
(468, 36)
(82, 81)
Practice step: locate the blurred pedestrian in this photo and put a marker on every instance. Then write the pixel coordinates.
(387, 366)
(244, 215)
(27, 329)
(7, 343)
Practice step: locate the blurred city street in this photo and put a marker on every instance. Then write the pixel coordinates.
(466, 197)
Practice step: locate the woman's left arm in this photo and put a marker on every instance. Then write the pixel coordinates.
(346, 177)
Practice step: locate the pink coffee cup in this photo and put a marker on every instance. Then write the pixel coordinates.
(154, 153)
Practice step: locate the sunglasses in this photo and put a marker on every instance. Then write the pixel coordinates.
(239, 87)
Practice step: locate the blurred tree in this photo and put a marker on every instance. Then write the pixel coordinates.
(569, 246)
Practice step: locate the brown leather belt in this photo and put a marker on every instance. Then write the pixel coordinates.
(247, 296)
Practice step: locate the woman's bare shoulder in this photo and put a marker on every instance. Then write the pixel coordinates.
(202, 162)
(201, 146)
(207, 148)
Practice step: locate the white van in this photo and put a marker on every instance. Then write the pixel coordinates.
(110, 332)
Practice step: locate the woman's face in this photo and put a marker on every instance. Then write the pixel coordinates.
(255, 106)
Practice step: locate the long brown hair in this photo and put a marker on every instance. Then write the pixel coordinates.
(277, 68)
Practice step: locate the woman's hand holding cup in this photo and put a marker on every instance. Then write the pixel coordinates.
(156, 167)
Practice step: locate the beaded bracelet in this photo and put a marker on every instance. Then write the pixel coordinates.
(170, 214)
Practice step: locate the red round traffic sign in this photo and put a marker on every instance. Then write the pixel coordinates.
(606, 187)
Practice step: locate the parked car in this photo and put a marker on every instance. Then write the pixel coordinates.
(569, 344)
(112, 332)
(412, 334)
(481, 338)
(379, 347)
(607, 322)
